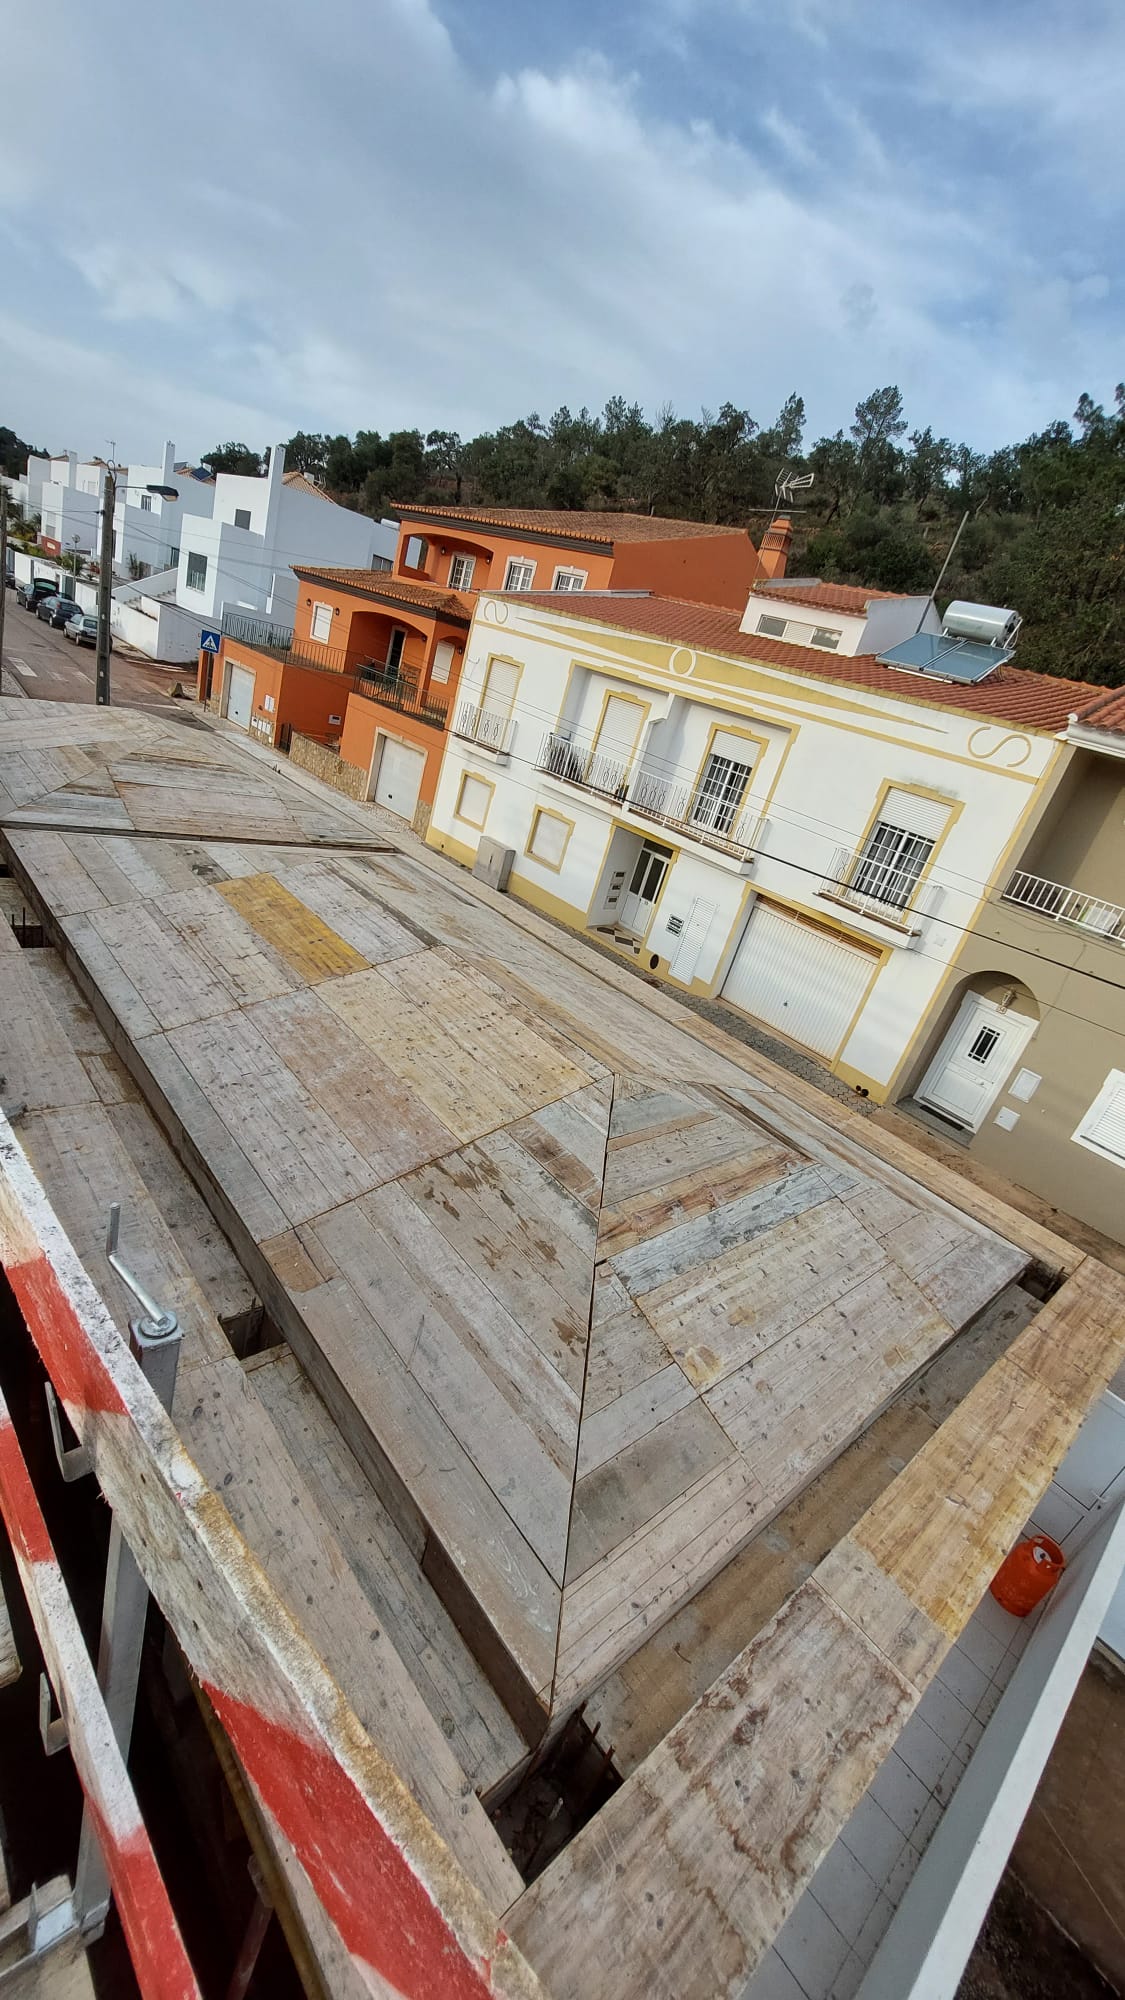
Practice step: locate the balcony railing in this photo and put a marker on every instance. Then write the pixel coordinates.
(577, 763)
(688, 809)
(395, 688)
(266, 636)
(1067, 906)
(875, 888)
(484, 728)
(705, 816)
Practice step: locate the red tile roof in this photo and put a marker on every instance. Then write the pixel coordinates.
(851, 598)
(1106, 711)
(576, 524)
(391, 589)
(298, 483)
(1011, 694)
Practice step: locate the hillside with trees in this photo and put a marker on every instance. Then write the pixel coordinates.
(1045, 531)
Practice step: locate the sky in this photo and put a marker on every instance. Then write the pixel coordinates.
(376, 214)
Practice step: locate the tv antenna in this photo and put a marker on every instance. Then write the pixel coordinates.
(788, 483)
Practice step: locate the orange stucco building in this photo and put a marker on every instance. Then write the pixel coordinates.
(372, 665)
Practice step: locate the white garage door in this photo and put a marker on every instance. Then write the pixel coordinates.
(400, 775)
(803, 981)
(240, 696)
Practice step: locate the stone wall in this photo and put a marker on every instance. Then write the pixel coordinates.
(327, 765)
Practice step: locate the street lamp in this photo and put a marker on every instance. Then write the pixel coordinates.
(110, 491)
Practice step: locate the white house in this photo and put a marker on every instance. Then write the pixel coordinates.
(803, 828)
(65, 491)
(236, 558)
(148, 529)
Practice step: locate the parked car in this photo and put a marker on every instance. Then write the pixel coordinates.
(31, 594)
(83, 629)
(10, 579)
(56, 609)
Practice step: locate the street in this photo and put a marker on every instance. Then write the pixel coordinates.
(50, 667)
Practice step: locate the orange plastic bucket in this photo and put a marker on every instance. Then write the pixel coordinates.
(1027, 1573)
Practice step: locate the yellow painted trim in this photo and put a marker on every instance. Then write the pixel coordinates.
(1050, 780)
(548, 812)
(741, 678)
(480, 779)
(956, 808)
(748, 736)
(646, 840)
(502, 660)
(858, 1013)
(634, 701)
(876, 1091)
(819, 921)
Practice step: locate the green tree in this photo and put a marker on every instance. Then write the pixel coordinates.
(307, 452)
(233, 458)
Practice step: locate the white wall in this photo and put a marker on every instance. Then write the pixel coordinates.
(828, 751)
(250, 568)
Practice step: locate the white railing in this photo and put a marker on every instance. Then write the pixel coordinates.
(1067, 906)
(577, 763)
(874, 888)
(483, 727)
(704, 816)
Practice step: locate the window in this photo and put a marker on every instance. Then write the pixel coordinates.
(242, 517)
(499, 691)
(321, 627)
(173, 558)
(722, 784)
(519, 575)
(461, 571)
(898, 847)
(415, 553)
(548, 838)
(982, 1044)
(569, 579)
(473, 799)
(443, 660)
(772, 628)
(146, 503)
(196, 572)
(823, 635)
(1103, 1128)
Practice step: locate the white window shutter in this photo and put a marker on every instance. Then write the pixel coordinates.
(914, 813)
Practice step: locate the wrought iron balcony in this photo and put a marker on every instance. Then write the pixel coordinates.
(710, 817)
(874, 888)
(394, 687)
(1067, 906)
(484, 728)
(577, 763)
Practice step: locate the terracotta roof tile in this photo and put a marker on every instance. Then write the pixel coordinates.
(1011, 694)
(575, 524)
(298, 483)
(1106, 711)
(851, 598)
(391, 589)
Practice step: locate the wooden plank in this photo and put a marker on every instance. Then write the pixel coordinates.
(482, 1735)
(311, 1766)
(294, 931)
(11, 1668)
(711, 1802)
(744, 1796)
(381, 1117)
(704, 1239)
(644, 1478)
(177, 987)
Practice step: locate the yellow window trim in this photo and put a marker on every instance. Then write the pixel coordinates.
(547, 812)
(501, 660)
(476, 777)
(956, 808)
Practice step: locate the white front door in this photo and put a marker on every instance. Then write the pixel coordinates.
(399, 776)
(645, 884)
(975, 1059)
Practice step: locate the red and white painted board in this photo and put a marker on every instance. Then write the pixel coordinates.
(155, 1945)
(412, 1924)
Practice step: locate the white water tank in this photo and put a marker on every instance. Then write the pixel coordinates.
(986, 623)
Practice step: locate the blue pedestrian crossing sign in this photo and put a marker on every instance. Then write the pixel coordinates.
(209, 642)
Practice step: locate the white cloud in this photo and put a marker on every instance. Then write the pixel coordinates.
(352, 220)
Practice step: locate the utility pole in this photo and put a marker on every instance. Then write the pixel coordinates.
(105, 586)
(3, 573)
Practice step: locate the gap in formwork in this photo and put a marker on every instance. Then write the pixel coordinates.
(558, 1792)
(186, 1787)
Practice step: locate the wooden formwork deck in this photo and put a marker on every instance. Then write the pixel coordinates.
(579, 1297)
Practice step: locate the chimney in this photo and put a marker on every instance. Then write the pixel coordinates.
(773, 553)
